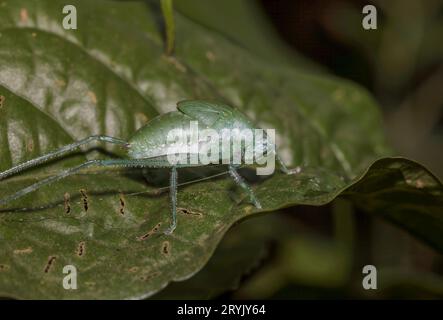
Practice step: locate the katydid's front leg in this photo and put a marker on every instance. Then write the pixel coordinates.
(173, 195)
(283, 167)
(242, 183)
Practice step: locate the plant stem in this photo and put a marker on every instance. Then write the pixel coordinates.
(168, 16)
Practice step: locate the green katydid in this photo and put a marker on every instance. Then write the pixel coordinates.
(150, 148)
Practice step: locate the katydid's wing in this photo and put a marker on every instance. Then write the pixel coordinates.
(207, 113)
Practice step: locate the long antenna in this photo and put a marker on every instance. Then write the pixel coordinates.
(181, 184)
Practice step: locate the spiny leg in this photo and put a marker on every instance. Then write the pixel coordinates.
(68, 172)
(241, 182)
(59, 152)
(173, 195)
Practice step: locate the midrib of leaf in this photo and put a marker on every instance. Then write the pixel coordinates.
(146, 98)
(39, 110)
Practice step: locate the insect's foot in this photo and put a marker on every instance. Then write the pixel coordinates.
(256, 203)
(170, 230)
(296, 170)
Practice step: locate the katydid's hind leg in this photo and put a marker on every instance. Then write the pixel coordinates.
(242, 183)
(173, 195)
(284, 168)
(53, 154)
(72, 171)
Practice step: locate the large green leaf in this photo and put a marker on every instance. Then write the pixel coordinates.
(109, 77)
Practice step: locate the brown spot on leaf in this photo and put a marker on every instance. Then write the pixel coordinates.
(50, 263)
(67, 198)
(2, 101)
(189, 212)
(122, 205)
(150, 233)
(85, 199)
(133, 269)
(81, 249)
(166, 246)
(30, 145)
(27, 250)
(150, 276)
